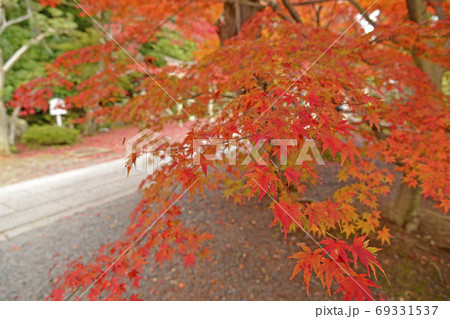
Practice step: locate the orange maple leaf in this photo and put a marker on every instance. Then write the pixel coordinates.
(384, 235)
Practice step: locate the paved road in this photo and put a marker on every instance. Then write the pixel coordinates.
(42, 233)
(39, 202)
(32, 261)
(37, 228)
(249, 260)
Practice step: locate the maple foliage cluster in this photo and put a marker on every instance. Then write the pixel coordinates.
(35, 94)
(274, 80)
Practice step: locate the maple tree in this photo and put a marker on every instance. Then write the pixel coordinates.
(278, 70)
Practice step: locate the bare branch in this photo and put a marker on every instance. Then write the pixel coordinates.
(437, 6)
(312, 2)
(8, 23)
(353, 2)
(317, 11)
(274, 5)
(246, 3)
(292, 11)
(363, 13)
(23, 49)
(268, 3)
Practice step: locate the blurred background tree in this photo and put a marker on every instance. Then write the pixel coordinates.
(28, 31)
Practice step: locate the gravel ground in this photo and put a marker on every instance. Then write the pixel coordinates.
(249, 261)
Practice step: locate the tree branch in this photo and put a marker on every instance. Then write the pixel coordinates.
(246, 3)
(237, 10)
(317, 11)
(292, 11)
(274, 5)
(24, 48)
(353, 2)
(363, 13)
(69, 3)
(271, 3)
(312, 2)
(437, 6)
(8, 23)
(2, 14)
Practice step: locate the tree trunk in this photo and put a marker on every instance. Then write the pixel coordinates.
(12, 125)
(417, 13)
(405, 210)
(4, 145)
(235, 15)
(407, 202)
(90, 127)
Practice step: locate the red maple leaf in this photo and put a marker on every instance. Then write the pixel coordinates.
(356, 288)
(307, 261)
(286, 215)
(189, 260)
(360, 250)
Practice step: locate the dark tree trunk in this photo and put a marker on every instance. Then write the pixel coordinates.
(13, 125)
(405, 211)
(235, 15)
(417, 13)
(4, 145)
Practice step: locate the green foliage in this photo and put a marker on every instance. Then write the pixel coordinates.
(31, 65)
(50, 135)
(168, 44)
(446, 83)
(13, 149)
